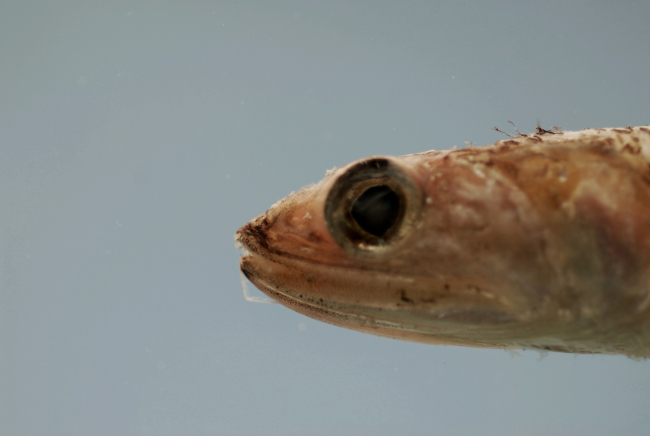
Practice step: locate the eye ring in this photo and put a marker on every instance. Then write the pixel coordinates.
(365, 176)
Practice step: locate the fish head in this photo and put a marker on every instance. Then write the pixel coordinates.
(421, 247)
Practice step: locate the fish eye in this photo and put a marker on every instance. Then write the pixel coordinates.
(373, 207)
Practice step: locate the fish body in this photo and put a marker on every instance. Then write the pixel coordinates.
(540, 242)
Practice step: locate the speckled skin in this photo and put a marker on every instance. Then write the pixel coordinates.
(537, 242)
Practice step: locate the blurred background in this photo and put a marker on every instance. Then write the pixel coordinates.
(136, 137)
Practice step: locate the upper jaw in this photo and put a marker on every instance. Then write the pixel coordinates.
(252, 237)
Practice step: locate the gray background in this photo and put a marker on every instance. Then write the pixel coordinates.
(136, 138)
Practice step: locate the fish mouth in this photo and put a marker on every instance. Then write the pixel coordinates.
(341, 296)
(247, 240)
(249, 266)
(259, 260)
(342, 315)
(281, 277)
(260, 269)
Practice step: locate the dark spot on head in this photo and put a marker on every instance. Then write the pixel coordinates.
(646, 178)
(314, 237)
(508, 168)
(630, 149)
(404, 298)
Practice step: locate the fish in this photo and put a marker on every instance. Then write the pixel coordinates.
(536, 242)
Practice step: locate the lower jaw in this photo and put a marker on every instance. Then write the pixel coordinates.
(349, 317)
(407, 325)
(285, 296)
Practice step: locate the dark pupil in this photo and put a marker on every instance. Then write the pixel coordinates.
(376, 210)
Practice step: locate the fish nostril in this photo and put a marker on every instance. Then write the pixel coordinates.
(376, 210)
